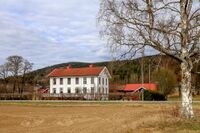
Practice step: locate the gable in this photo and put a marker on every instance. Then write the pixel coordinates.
(105, 72)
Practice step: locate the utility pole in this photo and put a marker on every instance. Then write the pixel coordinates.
(142, 74)
(149, 73)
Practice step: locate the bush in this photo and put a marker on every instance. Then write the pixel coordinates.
(115, 96)
(151, 96)
(166, 80)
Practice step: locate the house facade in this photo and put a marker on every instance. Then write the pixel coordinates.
(88, 83)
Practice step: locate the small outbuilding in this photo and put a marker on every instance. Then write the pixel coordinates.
(137, 87)
(134, 91)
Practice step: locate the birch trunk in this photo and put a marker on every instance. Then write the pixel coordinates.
(186, 93)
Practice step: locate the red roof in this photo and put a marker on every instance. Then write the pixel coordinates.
(88, 71)
(135, 87)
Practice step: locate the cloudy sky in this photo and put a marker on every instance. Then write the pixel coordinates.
(48, 32)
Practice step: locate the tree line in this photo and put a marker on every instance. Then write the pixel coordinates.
(13, 74)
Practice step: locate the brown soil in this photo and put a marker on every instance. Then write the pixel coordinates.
(79, 118)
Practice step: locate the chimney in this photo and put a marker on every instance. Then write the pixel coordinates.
(68, 67)
(91, 65)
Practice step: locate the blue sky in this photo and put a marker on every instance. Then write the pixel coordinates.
(48, 32)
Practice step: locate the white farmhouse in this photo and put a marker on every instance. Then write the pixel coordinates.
(89, 83)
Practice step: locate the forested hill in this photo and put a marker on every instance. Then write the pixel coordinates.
(122, 71)
(44, 71)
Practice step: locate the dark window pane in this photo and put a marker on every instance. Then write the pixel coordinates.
(92, 80)
(68, 81)
(61, 81)
(84, 80)
(77, 80)
(54, 81)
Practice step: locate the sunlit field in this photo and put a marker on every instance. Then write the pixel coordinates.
(94, 117)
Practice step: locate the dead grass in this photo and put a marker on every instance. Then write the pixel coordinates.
(169, 120)
(98, 118)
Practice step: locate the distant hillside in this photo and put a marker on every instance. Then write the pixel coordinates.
(122, 72)
(44, 71)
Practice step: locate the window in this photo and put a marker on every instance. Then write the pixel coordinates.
(61, 90)
(69, 90)
(92, 90)
(106, 90)
(77, 90)
(102, 90)
(106, 81)
(77, 80)
(84, 90)
(103, 81)
(54, 81)
(54, 90)
(99, 80)
(99, 90)
(68, 81)
(61, 81)
(92, 80)
(84, 80)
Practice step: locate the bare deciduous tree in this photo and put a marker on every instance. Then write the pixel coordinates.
(169, 26)
(15, 67)
(4, 73)
(27, 67)
(166, 80)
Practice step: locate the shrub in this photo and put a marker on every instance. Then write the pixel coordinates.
(150, 95)
(115, 96)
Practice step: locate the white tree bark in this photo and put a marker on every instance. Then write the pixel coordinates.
(130, 25)
(186, 92)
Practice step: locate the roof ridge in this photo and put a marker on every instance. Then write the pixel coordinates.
(84, 71)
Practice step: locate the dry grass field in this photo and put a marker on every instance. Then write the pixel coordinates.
(94, 118)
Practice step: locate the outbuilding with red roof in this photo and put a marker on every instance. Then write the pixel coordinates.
(136, 87)
(134, 91)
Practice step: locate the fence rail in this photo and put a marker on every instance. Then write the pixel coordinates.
(25, 95)
(72, 95)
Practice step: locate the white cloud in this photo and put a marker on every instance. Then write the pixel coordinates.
(48, 32)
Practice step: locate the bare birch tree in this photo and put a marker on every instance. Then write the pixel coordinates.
(19, 67)
(169, 26)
